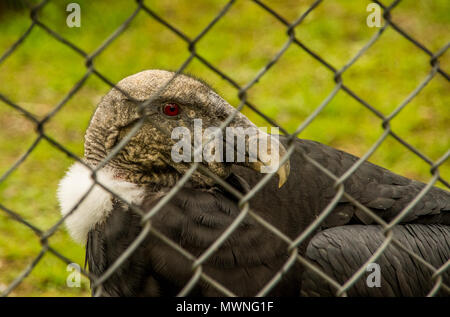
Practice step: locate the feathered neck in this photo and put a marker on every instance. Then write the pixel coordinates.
(97, 202)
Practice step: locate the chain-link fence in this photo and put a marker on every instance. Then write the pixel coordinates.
(293, 244)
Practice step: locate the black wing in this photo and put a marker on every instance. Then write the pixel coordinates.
(341, 251)
(308, 190)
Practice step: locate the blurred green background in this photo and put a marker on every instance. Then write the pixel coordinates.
(42, 70)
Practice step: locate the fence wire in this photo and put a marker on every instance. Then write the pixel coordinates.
(293, 244)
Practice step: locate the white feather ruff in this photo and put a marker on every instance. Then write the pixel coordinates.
(97, 204)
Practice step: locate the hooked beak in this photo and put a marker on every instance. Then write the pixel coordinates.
(263, 151)
(269, 159)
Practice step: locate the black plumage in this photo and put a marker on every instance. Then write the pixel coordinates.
(341, 251)
(196, 216)
(252, 255)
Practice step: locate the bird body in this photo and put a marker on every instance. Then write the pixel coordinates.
(142, 174)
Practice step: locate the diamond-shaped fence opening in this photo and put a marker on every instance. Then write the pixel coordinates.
(292, 29)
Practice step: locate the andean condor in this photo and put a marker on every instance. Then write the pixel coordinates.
(143, 172)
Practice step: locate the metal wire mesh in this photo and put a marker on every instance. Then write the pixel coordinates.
(293, 244)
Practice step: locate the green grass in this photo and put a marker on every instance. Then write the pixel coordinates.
(42, 70)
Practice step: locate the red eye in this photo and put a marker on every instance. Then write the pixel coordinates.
(171, 109)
